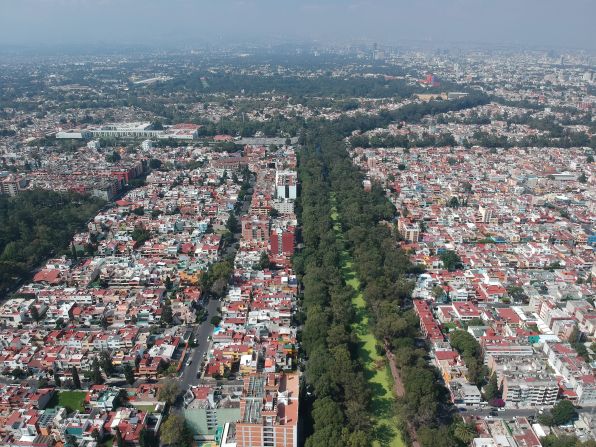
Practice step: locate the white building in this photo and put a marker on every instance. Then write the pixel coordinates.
(286, 183)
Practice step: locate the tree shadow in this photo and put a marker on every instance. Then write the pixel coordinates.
(384, 434)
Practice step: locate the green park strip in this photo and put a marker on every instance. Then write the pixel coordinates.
(386, 433)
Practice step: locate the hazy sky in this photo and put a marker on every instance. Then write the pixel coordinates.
(192, 22)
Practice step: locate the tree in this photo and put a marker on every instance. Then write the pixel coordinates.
(167, 316)
(118, 436)
(76, 381)
(105, 360)
(157, 125)
(215, 320)
(556, 440)
(18, 373)
(491, 390)
(453, 202)
(114, 157)
(154, 163)
(37, 225)
(57, 378)
(451, 260)
(465, 432)
(175, 432)
(471, 352)
(95, 434)
(96, 377)
(168, 283)
(169, 391)
(563, 412)
(140, 235)
(232, 223)
(148, 438)
(129, 374)
(435, 437)
(264, 262)
(437, 292)
(35, 314)
(546, 419)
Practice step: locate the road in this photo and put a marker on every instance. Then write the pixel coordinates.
(510, 413)
(201, 332)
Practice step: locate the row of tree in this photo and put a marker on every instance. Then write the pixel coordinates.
(386, 275)
(342, 400)
(333, 374)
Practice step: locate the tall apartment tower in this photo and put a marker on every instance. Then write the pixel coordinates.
(268, 411)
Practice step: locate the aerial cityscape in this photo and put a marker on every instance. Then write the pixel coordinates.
(301, 238)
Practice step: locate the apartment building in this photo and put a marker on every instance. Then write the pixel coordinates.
(269, 411)
(529, 390)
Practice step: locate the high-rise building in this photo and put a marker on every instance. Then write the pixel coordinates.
(282, 241)
(268, 411)
(409, 230)
(486, 213)
(12, 184)
(255, 229)
(286, 184)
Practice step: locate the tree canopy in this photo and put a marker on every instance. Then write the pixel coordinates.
(36, 225)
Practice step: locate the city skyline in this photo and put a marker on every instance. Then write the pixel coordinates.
(188, 23)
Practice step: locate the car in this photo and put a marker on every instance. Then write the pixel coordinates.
(501, 409)
(189, 362)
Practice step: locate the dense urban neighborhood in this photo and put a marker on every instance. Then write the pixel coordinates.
(318, 246)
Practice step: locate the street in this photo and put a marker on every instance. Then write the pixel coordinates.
(190, 373)
(510, 413)
(201, 333)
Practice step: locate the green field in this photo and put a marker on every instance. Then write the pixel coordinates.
(385, 433)
(145, 408)
(71, 400)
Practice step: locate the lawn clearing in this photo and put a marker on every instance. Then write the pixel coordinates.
(145, 408)
(71, 400)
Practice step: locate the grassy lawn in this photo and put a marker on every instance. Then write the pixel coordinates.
(385, 432)
(71, 400)
(145, 408)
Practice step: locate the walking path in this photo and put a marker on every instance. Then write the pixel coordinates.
(400, 391)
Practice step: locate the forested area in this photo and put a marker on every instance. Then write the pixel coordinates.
(333, 374)
(36, 225)
(277, 125)
(386, 275)
(324, 85)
